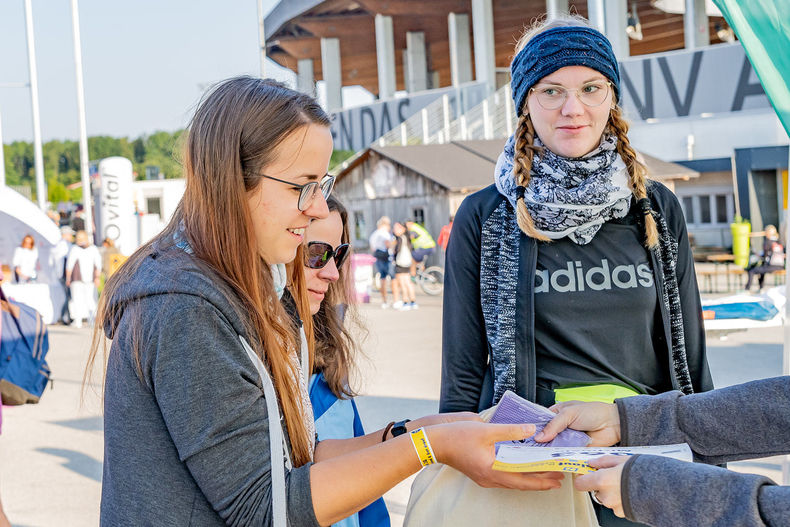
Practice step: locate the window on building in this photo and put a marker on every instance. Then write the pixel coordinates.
(708, 209)
(688, 209)
(154, 206)
(418, 216)
(722, 214)
(704, 209)
(359, 225)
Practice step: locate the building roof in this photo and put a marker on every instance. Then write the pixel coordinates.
(465, 166)
(294, 29)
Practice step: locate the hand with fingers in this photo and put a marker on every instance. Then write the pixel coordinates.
(604, 484)
(601, 421)
(468, 447)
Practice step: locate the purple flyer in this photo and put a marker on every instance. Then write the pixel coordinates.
(513, 409)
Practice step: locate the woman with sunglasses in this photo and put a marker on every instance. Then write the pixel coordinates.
(328, 282)
(207, 419)
(570, 278)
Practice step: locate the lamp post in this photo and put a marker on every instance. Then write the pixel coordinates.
(84, 157)
(38, 155)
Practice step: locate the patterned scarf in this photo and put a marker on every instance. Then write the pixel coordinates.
(570, 197)
(499, 250)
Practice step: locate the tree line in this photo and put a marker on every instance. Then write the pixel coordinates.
(62, 160)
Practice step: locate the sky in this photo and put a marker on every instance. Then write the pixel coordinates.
(145, 63)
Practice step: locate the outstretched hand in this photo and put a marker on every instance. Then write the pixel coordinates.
(605, 482)
(468, 446)
(600, 421)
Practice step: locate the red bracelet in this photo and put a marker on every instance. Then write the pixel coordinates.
(387, 431)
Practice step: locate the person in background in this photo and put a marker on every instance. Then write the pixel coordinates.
(61, 251)
(54, 216)
(744, 421)
(25, 261)
(59, 255)
(83, 268)
(772, 259)
(404, 262)
(78, 220)
(381, 242)
(422, 244)
(108, 250)
(444, 234)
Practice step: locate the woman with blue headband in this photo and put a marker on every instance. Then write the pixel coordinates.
(570, 278)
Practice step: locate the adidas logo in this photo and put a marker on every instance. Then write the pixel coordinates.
(575, 278)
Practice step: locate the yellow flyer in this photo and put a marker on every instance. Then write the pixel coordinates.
(522, 458)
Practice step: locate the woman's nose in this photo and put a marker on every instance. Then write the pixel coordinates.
(318, 208)
(330, 272)
(572, 104)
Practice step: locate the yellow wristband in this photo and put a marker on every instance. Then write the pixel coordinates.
(423, 447)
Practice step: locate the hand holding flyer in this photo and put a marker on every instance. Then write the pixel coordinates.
(513, 409)
(522, 458)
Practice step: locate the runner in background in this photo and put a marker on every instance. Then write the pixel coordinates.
(422, 245)
(444, 234)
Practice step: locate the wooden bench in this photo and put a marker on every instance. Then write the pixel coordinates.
(708, 280)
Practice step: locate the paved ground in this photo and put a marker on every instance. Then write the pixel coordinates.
(51, 453)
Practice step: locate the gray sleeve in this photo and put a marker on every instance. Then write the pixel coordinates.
(666, 492)
(745, 421)
(210, 397)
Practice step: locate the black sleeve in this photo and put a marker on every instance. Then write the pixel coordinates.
(464, 343)
(691, 306)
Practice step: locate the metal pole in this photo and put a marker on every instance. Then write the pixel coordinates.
(261, 38)
(84, 157)
(38, 155)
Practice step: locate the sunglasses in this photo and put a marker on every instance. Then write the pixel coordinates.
(318, 254)
(308, 190)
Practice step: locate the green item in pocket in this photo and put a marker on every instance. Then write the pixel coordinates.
(599, 393)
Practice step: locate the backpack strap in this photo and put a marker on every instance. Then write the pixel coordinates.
(279, 513)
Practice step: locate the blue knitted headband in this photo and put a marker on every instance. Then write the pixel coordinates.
(556, 48)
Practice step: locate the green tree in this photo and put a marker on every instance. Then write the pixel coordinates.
(56, 191)
(138, 147)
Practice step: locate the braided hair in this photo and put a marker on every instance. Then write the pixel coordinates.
(525, 150)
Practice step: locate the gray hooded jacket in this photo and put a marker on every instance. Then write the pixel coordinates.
(186, 444)
(740, 422)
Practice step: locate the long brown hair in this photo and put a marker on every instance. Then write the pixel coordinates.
(233, 135)
(525, 149)
(335, 348)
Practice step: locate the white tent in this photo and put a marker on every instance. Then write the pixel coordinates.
(19, 217)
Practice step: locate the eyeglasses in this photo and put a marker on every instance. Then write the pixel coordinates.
(307, 191)
(551, 96)
(318, 254)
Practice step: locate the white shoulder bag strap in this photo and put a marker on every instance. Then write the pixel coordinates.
(275, 439)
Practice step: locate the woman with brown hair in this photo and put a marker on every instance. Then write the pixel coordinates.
(205, 362)
(25, 261)
(570, 278)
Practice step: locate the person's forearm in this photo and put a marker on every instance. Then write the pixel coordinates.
(344, 484)
(667, 492)
(329, 448)
(738, 422)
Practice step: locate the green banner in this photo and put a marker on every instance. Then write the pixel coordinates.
(763, 27)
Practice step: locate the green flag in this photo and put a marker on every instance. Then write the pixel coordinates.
(763, 27)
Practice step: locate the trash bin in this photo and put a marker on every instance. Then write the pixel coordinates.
(362, 271)
(740, 241)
